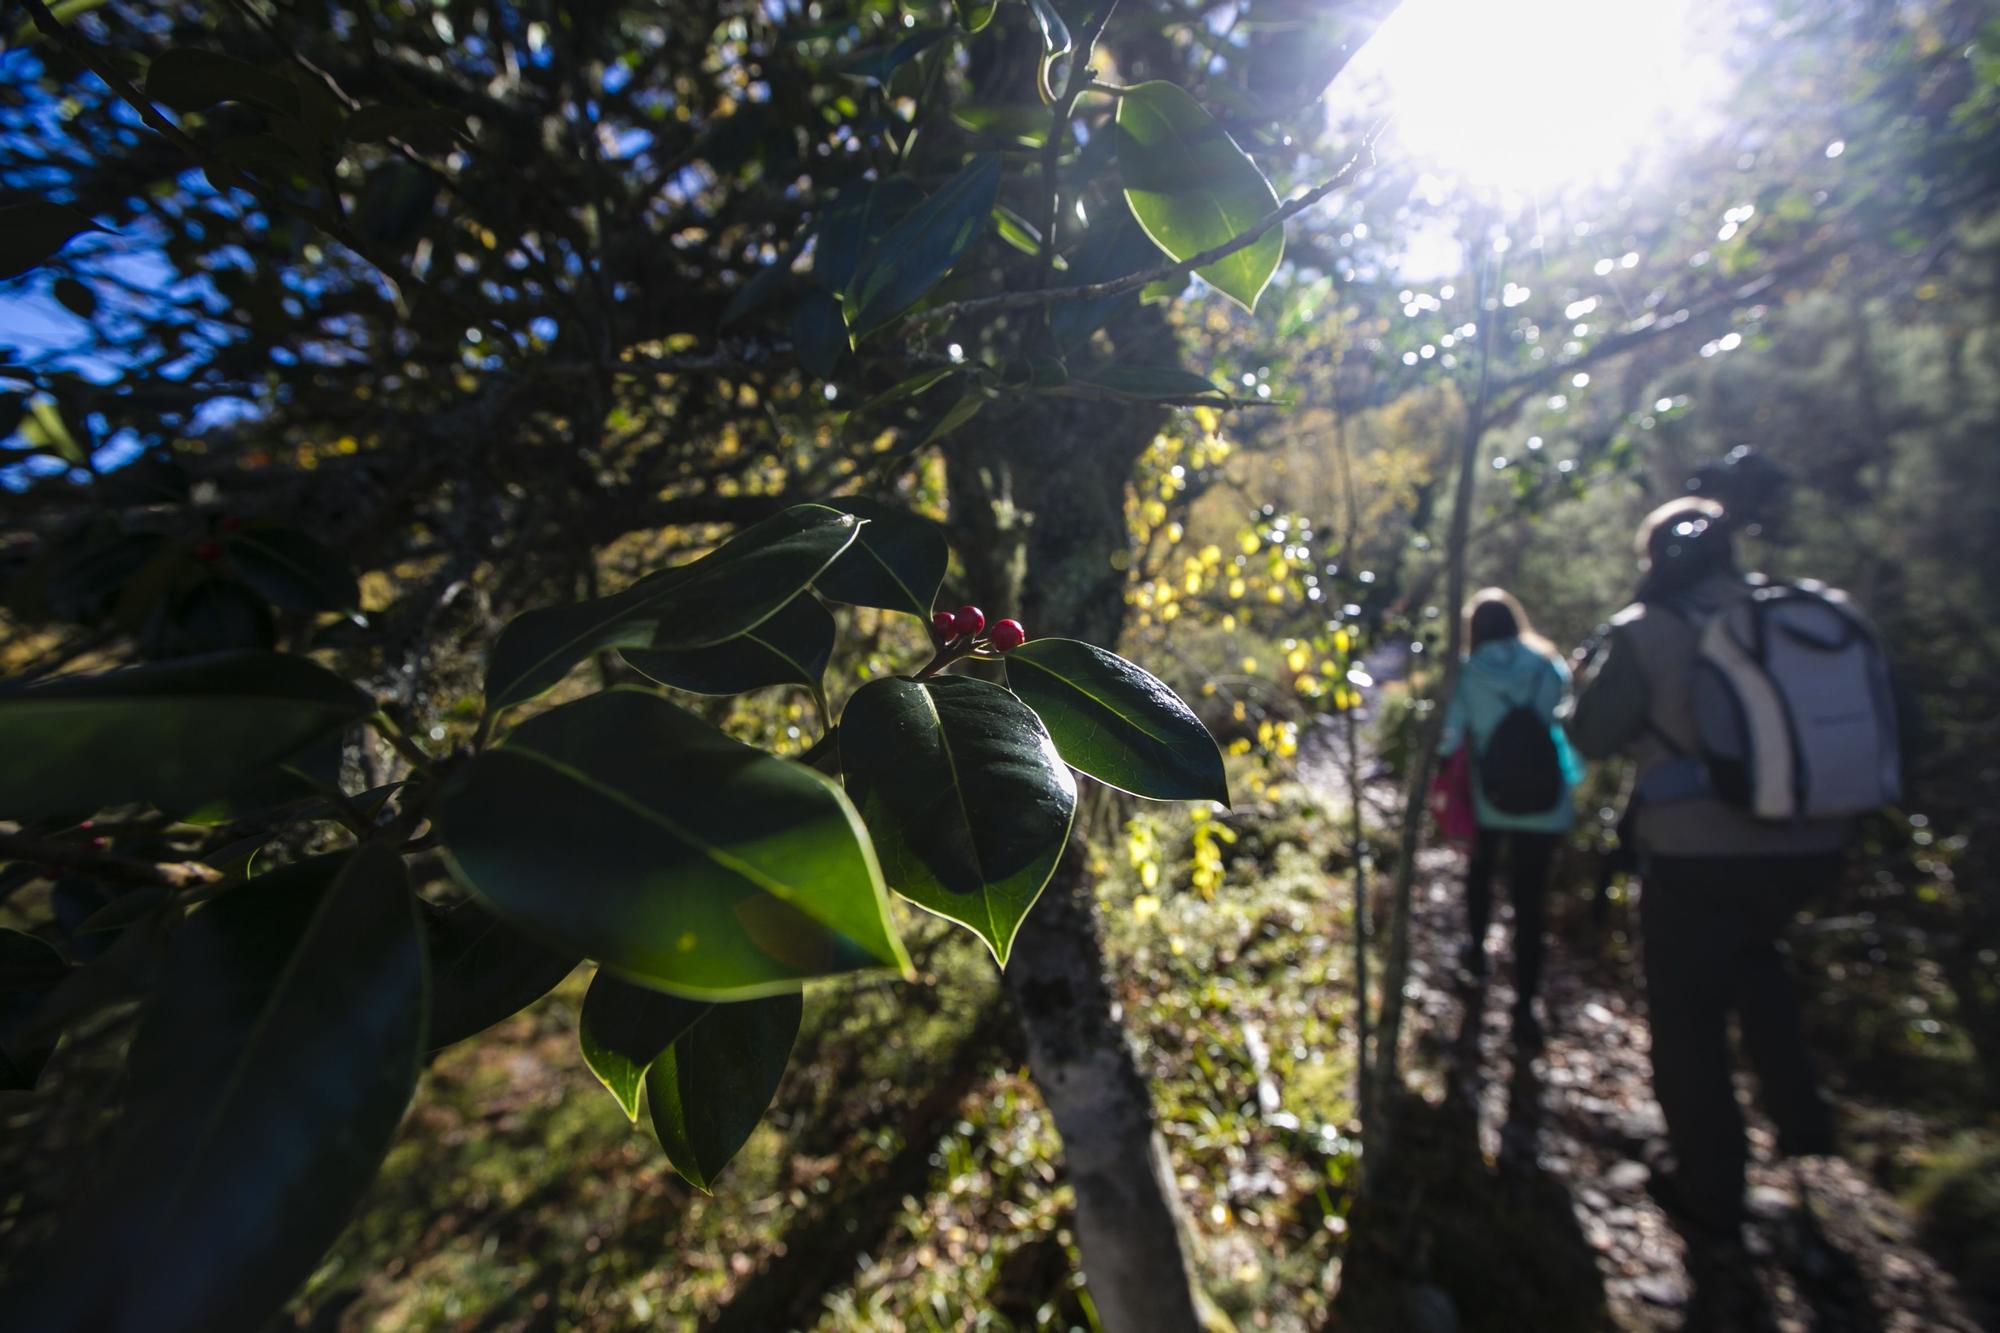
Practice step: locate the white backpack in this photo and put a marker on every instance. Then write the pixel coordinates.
(1793, 714)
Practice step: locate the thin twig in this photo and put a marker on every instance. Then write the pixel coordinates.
(105, 865)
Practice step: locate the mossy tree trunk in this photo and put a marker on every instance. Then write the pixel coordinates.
(1038, 497)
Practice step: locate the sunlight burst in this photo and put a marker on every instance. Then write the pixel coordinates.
(1528, 95)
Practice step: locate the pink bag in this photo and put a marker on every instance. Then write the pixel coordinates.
(1451, 798)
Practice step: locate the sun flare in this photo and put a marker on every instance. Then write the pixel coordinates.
(1529, 95)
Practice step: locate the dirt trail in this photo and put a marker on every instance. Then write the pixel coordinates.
(1832, 1252)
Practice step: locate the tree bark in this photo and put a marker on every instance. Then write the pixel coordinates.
(1039, 487)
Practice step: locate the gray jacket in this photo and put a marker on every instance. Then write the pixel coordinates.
(1634, 698)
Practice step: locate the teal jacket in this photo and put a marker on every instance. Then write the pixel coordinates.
(1501, 674)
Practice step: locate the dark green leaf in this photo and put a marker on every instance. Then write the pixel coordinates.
(628, 830)
(625, 1028)
(268, 1077)
(1148, 383)
(294, 571)
(483, 971)
(975, 14)
(819, 332)
(858, 219)
(190, 79)
(1192, 188)
(214, 616)
(964, 794)
(1022, 123)
(1113, 248)
(897, 563)
(879, 66)
(968, 406)
(732, 589)
(1117, 722)
(914, 386)
(710, 1088)
(30, 967)
(791, 648)
(918, 251)
(31, 233)
(170, 734)
(75, 297)
(430, 129)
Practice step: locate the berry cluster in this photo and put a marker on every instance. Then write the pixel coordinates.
(966, 624)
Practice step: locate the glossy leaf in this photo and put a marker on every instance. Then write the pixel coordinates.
(975, 14)
(483, 971)
(711, 1087)
(294, 571)
(732, 589)
(897, 563)
(819, 332)
(626, 829)
(791, 648)
(32, 233)
(171, 734)
(919, 250)
(1024, 125)
(267, 1079)
(1055, 33)
(1113, 248)
(1149, 383)
(625, 1028)
(1192, 188)
(191, 79)
(1117, 722)
(964, 794)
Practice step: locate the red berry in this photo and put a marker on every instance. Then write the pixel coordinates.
(969, 620)
(207, 550)
(229, 524)
(1008, 635)
(946, 625)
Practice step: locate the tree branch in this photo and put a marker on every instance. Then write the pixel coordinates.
(1132, 282)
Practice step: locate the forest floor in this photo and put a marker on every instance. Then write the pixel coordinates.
(1520, 1199)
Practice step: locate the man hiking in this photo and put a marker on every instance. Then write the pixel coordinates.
(1759, 717)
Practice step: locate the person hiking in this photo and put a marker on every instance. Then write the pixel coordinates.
(1522, 774)
(1759, 717)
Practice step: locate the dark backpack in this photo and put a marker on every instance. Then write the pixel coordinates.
(1520, 772)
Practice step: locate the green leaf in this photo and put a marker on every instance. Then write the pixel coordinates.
(711, 1087)
(912, 387)
(897, 563)
(30, 967)
(293, 571)
(625, 1028)
(975, 14)
(1192, 188)
(626, 829)
(428, 128)
(169, 734)
(859, 218)
(1018, 123)
(964, 794)
(819, 332)
(1149, 383)
(75, 297)
(1055, 33)
(880, 65)
(731, 590)
(267, 1078)
(968, 406)
(32, 233)
(214, 616)
(914, 254)
(483, 971)
(1114, 247)
(1117, 722)
(190, 79)
(791, 648)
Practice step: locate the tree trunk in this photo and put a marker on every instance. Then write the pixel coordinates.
(1396, 970)
(1038, 487)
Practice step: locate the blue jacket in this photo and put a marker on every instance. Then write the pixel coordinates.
(1499, 675)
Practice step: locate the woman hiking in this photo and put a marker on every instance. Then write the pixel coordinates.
(1523, 772)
